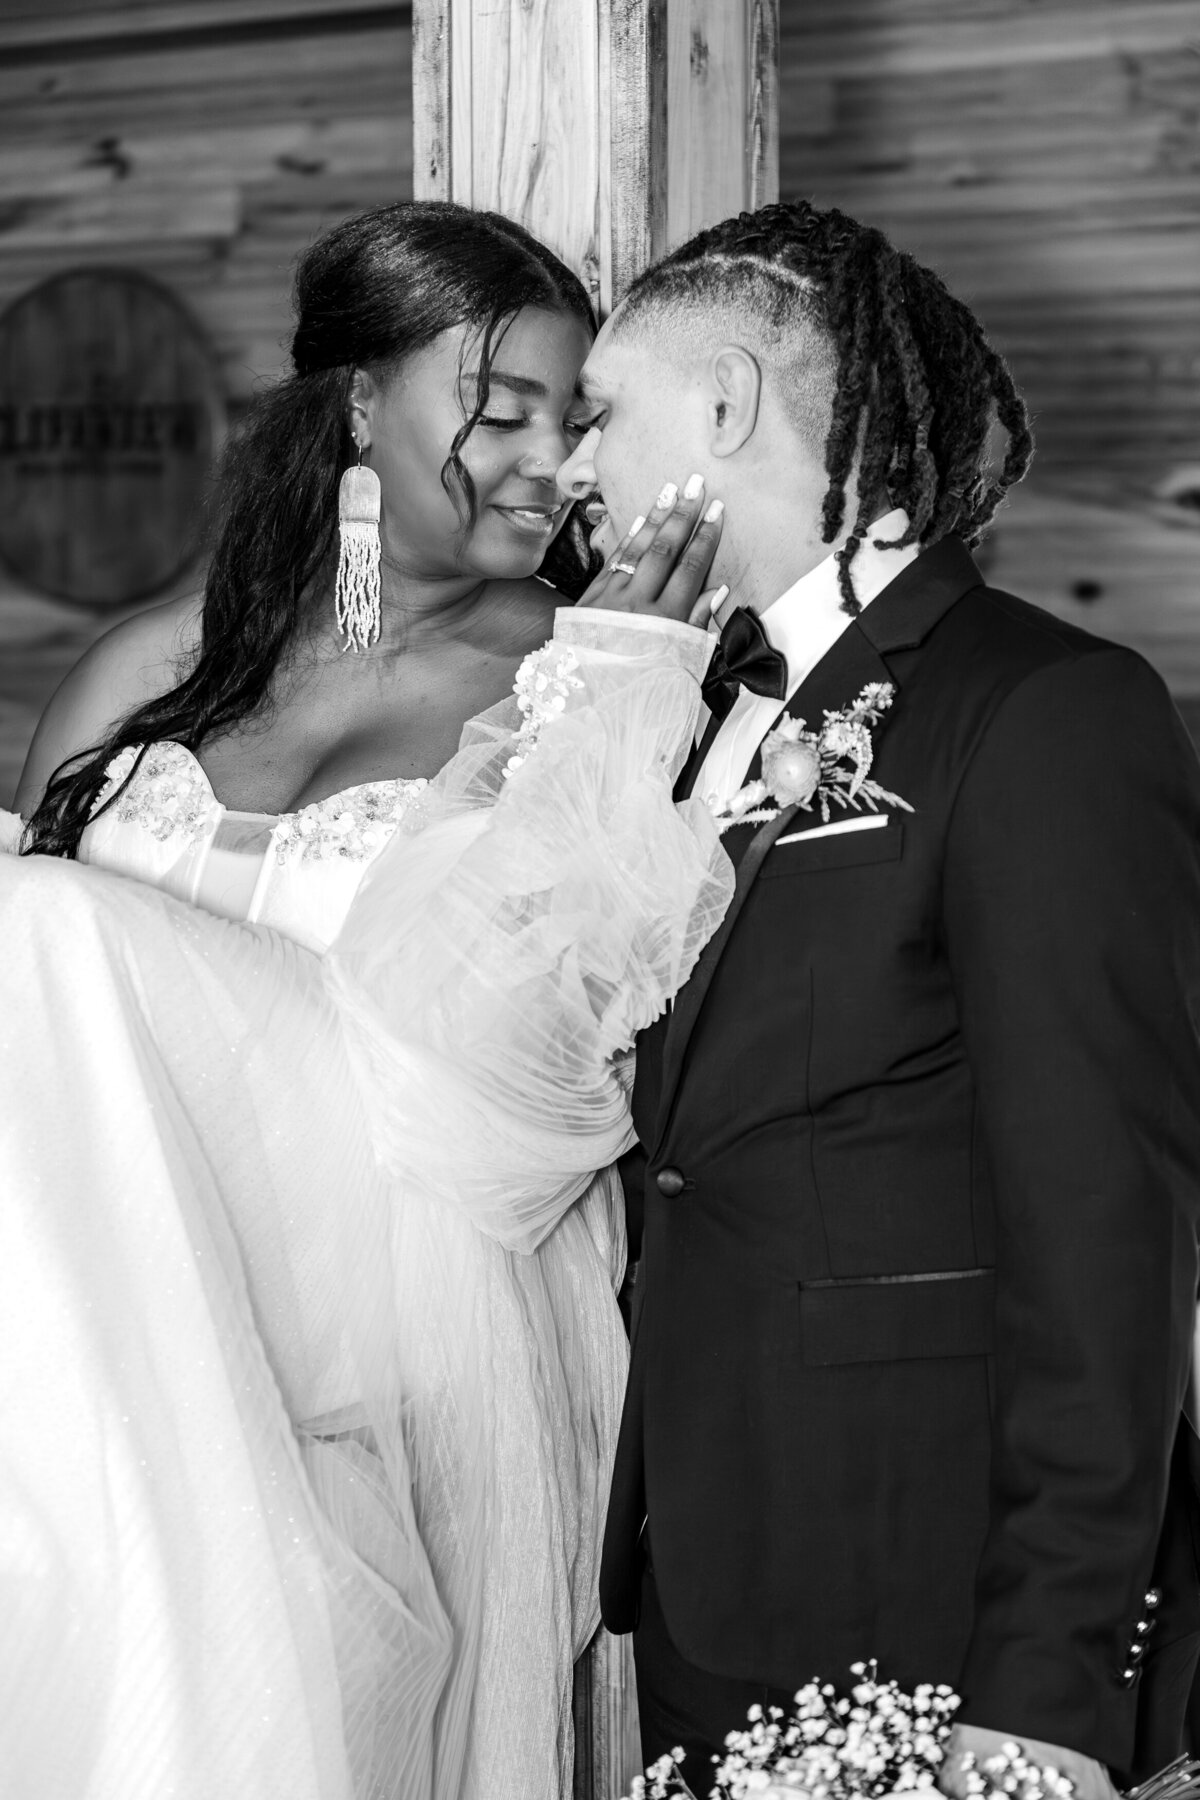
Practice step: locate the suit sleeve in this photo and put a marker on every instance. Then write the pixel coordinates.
(1072, 918)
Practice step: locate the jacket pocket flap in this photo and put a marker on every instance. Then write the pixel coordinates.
(844, 850)
(892, 1318)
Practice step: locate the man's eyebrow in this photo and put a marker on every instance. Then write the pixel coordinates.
(588, 384)
(516, 384)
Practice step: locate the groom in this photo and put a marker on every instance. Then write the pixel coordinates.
(922, 1131)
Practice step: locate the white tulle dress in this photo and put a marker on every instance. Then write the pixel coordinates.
(310, 1366)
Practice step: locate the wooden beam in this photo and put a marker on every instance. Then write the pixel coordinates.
(612, 128)
(175, 19)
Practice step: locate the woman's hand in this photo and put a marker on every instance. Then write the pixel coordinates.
(662, 563)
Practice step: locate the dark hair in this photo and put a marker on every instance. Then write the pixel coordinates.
(915, 381)
(368, 294)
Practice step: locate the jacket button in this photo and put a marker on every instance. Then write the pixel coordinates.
(1128, 1677)
(1153, 1598)
(1136, 1653)
(669, 1182)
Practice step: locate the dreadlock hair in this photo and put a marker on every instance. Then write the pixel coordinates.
(864, 344)
(368, 294)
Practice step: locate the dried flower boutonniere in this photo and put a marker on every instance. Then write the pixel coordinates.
(831, 766)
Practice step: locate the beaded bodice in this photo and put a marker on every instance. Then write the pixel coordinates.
(295, 871)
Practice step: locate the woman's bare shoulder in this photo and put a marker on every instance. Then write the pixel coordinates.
(139, 659)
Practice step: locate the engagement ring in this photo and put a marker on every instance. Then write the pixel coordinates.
(620, 568)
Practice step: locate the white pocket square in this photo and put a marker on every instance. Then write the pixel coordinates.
(864, 822)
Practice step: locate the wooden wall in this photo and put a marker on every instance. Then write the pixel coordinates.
(1044, 157)
(206, 142)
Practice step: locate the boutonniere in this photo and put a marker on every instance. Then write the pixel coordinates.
(831, 767)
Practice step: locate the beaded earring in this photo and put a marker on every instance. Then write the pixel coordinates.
(357, 591)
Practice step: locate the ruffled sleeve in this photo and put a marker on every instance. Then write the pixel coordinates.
(538, 908)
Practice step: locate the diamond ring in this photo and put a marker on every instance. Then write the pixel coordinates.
(622, 568)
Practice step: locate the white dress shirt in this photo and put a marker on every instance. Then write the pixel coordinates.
(804, 623)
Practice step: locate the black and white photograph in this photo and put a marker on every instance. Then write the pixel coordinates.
(599, 899)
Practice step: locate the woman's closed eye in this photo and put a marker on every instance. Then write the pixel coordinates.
(502, 422)
(575, 428)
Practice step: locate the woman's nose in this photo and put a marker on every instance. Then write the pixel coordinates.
(577, 476)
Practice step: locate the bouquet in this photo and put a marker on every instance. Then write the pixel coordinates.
(875, 1741)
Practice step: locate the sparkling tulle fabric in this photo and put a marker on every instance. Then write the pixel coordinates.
(310, 1367)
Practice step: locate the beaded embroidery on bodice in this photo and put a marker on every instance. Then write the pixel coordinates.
(296, 871)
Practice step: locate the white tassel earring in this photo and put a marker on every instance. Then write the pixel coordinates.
(357, 593)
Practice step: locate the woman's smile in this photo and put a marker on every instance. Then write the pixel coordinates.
(535, 520)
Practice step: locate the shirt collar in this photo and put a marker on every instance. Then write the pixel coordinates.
(806, 620)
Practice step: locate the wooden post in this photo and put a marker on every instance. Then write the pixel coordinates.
(611, 128)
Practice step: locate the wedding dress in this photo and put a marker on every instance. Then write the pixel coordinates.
(310, 1365)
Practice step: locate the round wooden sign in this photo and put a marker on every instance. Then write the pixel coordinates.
(110, 416)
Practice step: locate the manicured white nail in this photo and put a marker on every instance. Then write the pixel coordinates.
(720, 597)
(694, 488)
(667, 497)
(635, 527)
(714, 512)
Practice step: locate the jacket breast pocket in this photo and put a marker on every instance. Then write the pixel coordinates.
(843, 850)
(894, 1318)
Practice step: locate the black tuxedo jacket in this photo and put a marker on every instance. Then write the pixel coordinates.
(919, 1269)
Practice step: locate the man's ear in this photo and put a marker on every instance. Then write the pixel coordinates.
(734, 394)
(360, 407)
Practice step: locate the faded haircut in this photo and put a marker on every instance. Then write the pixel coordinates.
(687, 313)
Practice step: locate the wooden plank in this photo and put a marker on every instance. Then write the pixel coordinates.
(723, 91)
(821, 16)
(935, 45)
(762, 104)
(633, 120)
(527, 77)
(1043, 160)
(242, 155)
(29, 23)
(549, 111)
(1086, 161)
(608, 126)
(1047, 547)
(707, 82)
(84, 220)
(431, 54)
(299, 68)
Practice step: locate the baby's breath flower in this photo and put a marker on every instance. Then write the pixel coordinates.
(875, 1742)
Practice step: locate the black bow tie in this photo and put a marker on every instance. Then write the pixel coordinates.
(743, 658)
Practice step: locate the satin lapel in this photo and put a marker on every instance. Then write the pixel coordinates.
(838, 678)
(695, 762)
(747, 848)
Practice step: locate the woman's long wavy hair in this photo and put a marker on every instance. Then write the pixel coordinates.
(368, 294)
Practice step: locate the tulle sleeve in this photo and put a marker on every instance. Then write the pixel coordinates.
(541, 907)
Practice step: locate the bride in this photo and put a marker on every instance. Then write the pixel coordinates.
(310, 1362)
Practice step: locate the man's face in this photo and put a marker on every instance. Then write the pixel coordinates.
(649, 421)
